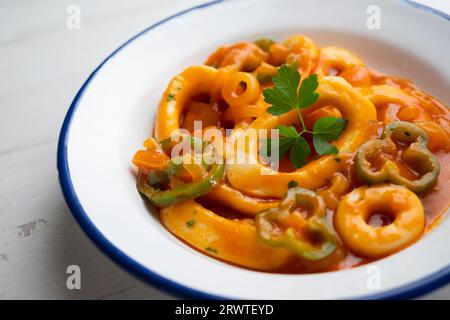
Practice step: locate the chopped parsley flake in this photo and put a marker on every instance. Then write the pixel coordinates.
(190, 223)
(212, 250)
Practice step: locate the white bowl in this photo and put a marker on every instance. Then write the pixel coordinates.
(114, 112)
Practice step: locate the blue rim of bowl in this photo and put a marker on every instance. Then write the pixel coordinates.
(417, 288)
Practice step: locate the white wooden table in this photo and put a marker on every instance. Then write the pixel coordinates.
(43, 63)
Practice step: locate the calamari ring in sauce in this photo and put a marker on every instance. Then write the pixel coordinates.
(400, 207)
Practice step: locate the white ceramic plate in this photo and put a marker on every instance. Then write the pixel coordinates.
(114, 112)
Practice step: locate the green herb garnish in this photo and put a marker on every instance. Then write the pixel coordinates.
(288, 94)
(264, 44)
(327, 129)
(263, 78)
(170, 97)
(190, 223)
(292, 184)
(212, 250)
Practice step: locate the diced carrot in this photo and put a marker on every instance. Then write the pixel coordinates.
(151, 144)
(150, 159)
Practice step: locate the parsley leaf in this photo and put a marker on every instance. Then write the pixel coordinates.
(288, 93)
(299, 152)
(283, 97)
(322, 146)
(285, 143)
(308, 96)
(290, 139)
(329, 128)
(288, 131)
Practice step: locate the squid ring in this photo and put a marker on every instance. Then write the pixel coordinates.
(249, 95)
(233, 198)
(395, 104)
(335, 57)
(192, 81)
(234, 241)
(302, 50)
(356, 208)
